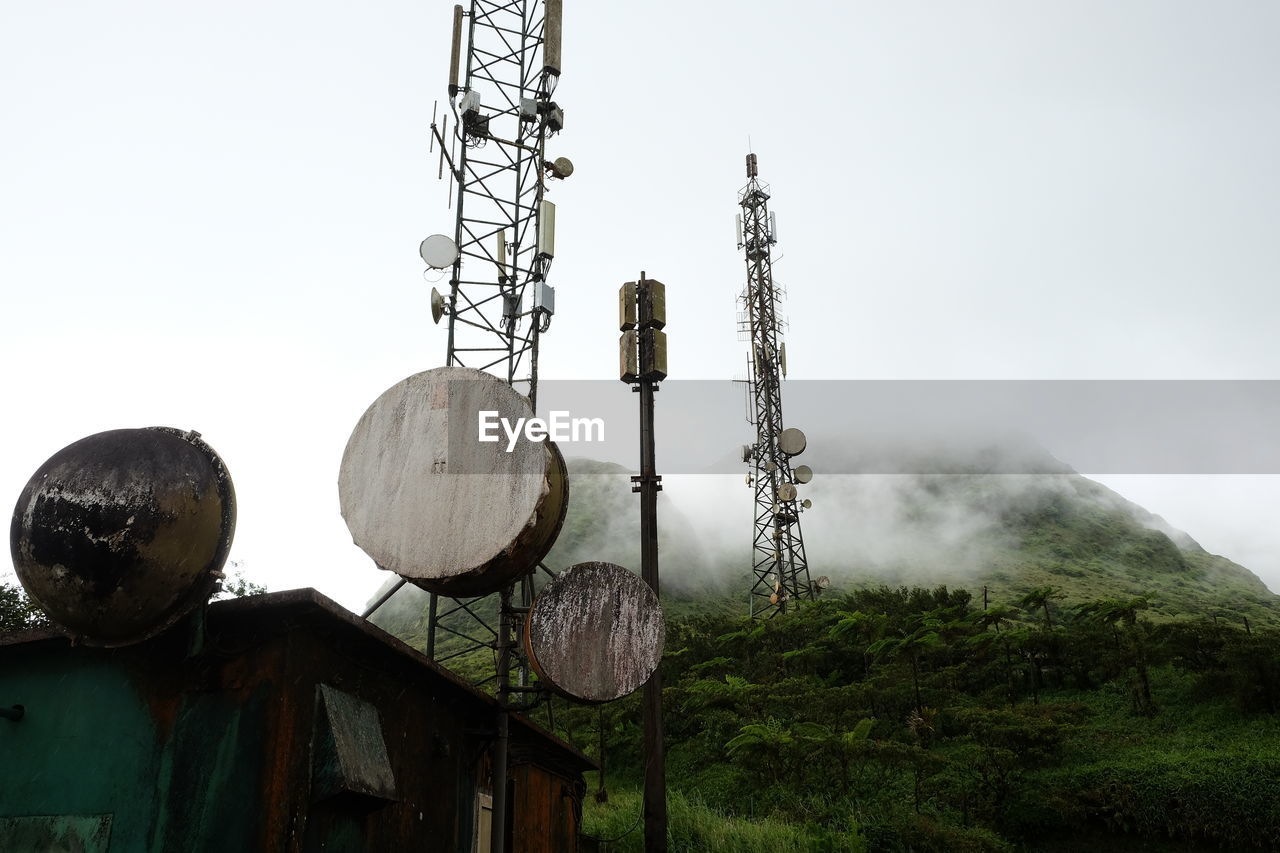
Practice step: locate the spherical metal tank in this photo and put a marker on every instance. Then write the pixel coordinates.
(595, 633)
(120, 534)
(427, 499)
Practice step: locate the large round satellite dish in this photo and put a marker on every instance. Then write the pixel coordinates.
(786, 492)
(121, 534)
(426, 499)
(792, 441)
(803, 474)
(438, 251)
(595, 633)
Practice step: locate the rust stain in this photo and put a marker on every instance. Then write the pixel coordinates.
(118, 535)
(595, 633)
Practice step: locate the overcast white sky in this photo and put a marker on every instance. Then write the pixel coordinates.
(209, 216)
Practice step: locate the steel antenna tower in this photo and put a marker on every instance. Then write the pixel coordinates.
(779, 567)
(499, 303)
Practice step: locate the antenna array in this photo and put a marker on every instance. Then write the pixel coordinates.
(779, 566)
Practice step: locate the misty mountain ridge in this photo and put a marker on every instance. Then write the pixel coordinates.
(950, 521)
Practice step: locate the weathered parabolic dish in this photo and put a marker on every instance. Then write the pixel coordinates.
(120, 534)
(595, 633)
(426, 499)
(792, 442)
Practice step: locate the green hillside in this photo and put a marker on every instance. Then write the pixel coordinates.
(914, 720)
(1119, 690)
(1019, 532)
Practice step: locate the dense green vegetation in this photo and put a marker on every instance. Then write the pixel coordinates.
(1120, 690)
(1070, 532)
(695, 826)
(17, 612)
(912, 719)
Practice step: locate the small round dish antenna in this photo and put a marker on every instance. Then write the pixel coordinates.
(595, 633)
(803, 474)
(561, 167)
(822, 582)
(427, 499)
(806, 503)
(786, 492)
(437, 306)
(792, 441)
(438, 251)
(119, 535)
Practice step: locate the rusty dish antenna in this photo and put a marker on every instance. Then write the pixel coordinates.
(426, 499)
(121, 534)
(561, 167)
(792, 441)
(595, 633)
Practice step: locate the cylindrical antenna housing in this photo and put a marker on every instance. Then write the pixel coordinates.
(551, 30)
(752, 170)
(456, 52)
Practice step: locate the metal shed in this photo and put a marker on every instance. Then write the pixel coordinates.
(279, 722)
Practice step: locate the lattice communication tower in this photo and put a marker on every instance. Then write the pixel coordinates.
(499, 302)
(779, 566)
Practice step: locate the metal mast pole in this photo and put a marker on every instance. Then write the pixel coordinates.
(655, 767)
(644, 365)
(779, 566)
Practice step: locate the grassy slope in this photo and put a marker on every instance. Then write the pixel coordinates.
(1197, 768)
(694, 827)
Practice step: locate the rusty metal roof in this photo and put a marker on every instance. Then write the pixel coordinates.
(281, 612)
